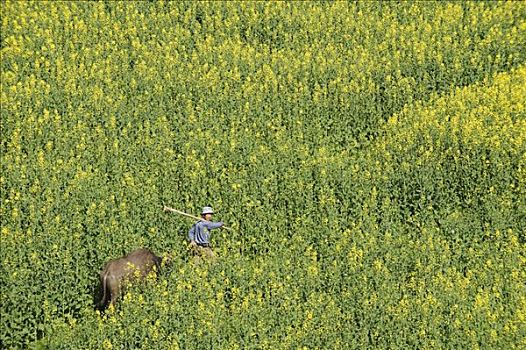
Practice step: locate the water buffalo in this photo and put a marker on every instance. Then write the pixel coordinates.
(134, 266)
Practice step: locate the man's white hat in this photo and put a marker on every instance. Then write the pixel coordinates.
(207, 210)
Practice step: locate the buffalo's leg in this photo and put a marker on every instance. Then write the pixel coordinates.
(114, 288)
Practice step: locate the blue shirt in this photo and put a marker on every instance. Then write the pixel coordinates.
(200, 231)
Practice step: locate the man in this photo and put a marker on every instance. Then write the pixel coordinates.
(199, 234)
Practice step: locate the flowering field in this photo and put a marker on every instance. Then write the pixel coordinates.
(370, 156)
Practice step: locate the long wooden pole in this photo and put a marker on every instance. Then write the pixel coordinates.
(190, 215)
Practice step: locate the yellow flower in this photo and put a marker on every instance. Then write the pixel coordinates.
(107, 344)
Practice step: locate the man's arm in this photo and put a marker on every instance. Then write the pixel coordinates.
(191, 234)
(212, 225)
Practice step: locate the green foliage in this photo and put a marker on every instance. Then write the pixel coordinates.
(370, 157)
